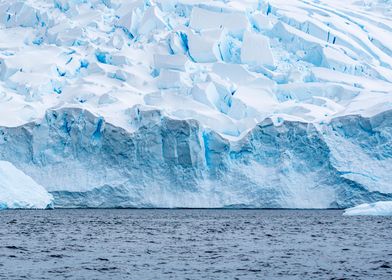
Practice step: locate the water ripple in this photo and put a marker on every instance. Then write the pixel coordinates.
(193, 244)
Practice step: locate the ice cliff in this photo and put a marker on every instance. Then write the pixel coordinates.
(109, 103)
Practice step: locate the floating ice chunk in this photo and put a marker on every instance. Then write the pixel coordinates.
(174, 62)
(381, 208)
(256, 50)
(17, 190)
(235, 23)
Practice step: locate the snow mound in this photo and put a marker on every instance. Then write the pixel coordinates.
(17, 190)
(381, 208)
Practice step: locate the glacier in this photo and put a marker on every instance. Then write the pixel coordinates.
(196, 103)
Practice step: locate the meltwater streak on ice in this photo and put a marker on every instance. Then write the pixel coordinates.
(199, 103)
(193, 244)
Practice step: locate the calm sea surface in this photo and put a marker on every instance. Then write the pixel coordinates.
(193, 244)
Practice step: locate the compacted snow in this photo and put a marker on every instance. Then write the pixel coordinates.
(381, 208)
(193, 103)
(17, 190)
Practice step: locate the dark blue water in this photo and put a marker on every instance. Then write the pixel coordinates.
(193, 244)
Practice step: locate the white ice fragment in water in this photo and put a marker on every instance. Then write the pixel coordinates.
(381, 208)
(17, 190)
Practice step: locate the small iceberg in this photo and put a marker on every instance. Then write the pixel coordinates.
(18, 190)
(381, 208)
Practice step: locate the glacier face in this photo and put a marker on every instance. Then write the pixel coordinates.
(85, 162)
(142, 103)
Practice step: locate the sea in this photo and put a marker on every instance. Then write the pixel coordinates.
(193, 244)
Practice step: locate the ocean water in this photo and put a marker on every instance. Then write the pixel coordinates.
(193, 244)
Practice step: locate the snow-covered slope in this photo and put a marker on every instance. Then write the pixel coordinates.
(381, 208)
(17, 190)
(193, 103)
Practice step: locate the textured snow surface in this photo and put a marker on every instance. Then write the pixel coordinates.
(17, 190)
(193, 103)
(381, 208)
